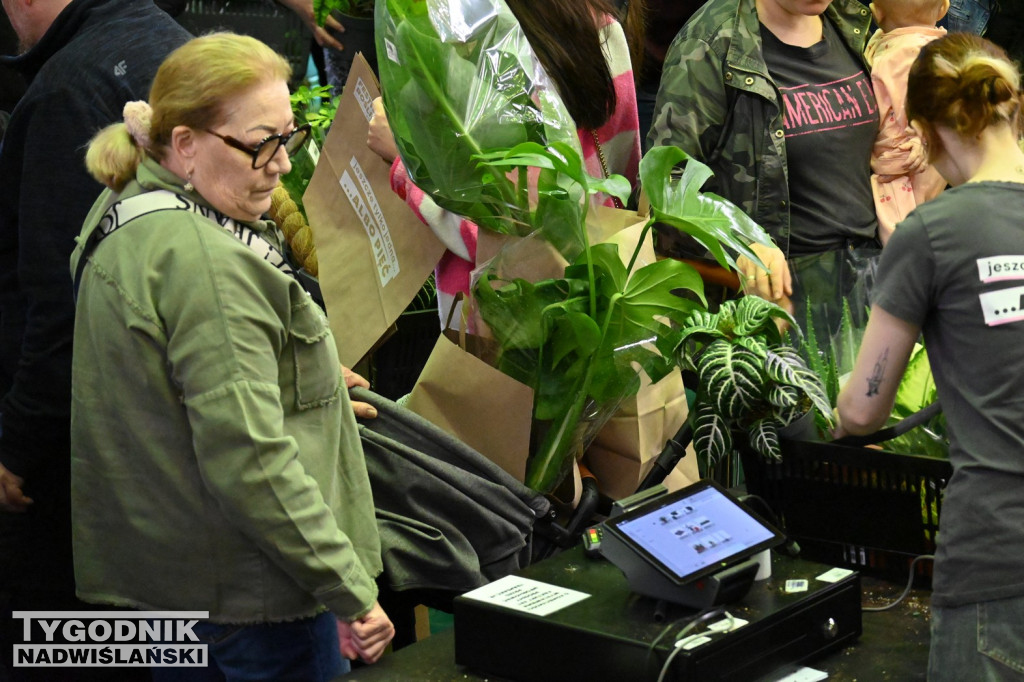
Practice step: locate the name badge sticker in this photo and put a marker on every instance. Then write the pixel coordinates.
(1002, 306)
(1000, 268)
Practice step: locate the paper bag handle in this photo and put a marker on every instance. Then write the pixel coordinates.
(463, 322)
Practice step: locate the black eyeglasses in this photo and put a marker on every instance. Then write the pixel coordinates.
(267, 148)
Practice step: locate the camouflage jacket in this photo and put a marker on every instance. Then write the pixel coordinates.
(718, 103)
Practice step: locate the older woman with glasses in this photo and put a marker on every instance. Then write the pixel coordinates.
(216, 463)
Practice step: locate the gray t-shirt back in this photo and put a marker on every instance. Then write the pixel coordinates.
(955, 267)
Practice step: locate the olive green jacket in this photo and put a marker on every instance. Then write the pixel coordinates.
(216, 463)
(718, 103)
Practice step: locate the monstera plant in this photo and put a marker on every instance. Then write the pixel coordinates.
(752, 382)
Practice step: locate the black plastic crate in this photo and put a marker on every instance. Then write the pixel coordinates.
(858, 507)
(277, 26)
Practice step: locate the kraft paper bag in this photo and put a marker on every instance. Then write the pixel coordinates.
(374, 253)
(478, 404)
(625, 449)
(533, 259)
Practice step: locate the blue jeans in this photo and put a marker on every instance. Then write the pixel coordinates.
(295, 651)
(968, 16)
(982, 642)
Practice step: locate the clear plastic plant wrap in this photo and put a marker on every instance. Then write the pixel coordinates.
(460, 80)
(482, 131)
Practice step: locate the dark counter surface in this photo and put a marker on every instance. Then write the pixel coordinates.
(893, 646)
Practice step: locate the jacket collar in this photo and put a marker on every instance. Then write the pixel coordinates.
(848, 16)
(61, 32)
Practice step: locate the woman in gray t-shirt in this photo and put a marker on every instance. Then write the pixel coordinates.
(954, 271)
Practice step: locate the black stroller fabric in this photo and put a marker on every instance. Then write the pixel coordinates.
(450, 519)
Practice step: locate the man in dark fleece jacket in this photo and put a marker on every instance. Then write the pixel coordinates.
(81, 60)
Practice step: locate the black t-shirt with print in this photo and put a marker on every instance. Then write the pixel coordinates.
(830, 119)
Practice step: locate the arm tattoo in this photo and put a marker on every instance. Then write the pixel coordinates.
(878, 373)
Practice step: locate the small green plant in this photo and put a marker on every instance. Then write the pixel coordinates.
(830, 365)
(916, 390)
(354, 8)
(750, 380)
(317, 107)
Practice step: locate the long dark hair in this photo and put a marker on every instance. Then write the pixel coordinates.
(566, 37)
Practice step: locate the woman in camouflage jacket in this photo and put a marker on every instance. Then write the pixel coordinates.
(722, 101)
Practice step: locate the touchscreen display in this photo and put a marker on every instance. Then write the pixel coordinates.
(694, 529)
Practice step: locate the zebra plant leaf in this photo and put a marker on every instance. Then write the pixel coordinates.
(749, 375)
(812, 387)
(731, 377)
(781, 365)
(764, 438)
(698, 328)
(754, 344)
(783, 396)
(785, 365)
(711, 434)
(787, 414)
(757, 316)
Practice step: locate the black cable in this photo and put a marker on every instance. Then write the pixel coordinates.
(790, 547)
(906, 591)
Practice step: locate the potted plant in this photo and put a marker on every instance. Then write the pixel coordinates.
(356, 16)
(482, 133)
(916, 391)
(751, 381)
(852, 505)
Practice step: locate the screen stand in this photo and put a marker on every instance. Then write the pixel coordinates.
(723, 587)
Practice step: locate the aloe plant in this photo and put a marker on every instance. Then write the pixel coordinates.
(916, 390)
(750, 380)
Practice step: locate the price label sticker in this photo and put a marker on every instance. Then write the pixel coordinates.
(834, 575)
(799, 585)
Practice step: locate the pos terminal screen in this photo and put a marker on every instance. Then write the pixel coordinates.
(695, 531)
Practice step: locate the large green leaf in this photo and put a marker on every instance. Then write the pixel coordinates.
(575, 333)
(609, 272)
(455, 92)
(917, 387)
(515, 310)
(713, 221)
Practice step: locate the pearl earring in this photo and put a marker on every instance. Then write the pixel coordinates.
(189, 187)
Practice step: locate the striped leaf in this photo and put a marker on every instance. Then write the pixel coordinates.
(764, 438)
(711, 435)
(755, 315)
(785, 366)
(755, 344)
(730, 376)
(783, 396)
